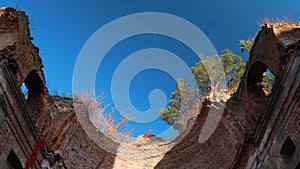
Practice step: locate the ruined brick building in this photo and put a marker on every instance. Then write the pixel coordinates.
(256, 130)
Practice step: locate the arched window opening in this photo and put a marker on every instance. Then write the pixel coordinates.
(255, 78)
(32, 87)
(13, 161)
(33, 90)
(287, 149)
(260, 79)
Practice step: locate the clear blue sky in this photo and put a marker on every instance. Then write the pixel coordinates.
(61, 27)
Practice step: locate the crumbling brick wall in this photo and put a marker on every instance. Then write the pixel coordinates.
(22, 119)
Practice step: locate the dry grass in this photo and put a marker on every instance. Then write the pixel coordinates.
(105, 121)
(268, 20)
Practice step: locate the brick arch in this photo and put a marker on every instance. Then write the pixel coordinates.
(255, 73)
(256, 96)
(254, 76)
(35, 85)
(267, 48)
(36, 94)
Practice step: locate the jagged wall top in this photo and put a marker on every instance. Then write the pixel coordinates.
(16, 48)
